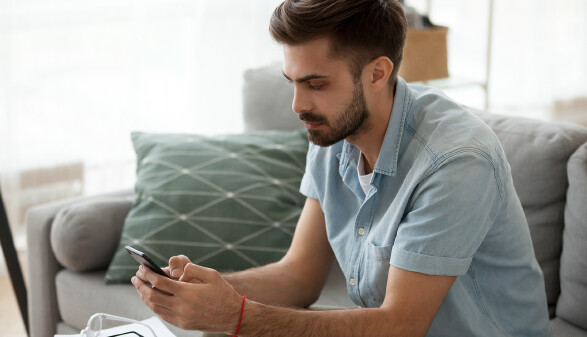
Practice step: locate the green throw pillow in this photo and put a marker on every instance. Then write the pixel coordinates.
(227, 202)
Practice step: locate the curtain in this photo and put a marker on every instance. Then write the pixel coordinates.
(76, 77)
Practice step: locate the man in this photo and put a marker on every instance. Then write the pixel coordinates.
(410, 194)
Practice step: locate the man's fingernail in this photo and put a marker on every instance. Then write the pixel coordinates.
(176, 273)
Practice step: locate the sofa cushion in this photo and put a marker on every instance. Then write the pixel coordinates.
(80, 295)
(562, 328)
(538, 152)
(85, 235)
(267, 99)
(572, 304)
(227, 202)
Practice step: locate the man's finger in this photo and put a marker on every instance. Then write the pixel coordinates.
(151, 296)
(177, 264)
(158, 281)
(198, 274)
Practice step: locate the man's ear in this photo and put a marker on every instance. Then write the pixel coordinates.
(379, 71)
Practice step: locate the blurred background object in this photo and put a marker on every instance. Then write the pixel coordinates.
(425, 54)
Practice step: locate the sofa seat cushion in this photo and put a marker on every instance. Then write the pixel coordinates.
(64, 329)
(562, 328)
(538, 153)
(80, 295)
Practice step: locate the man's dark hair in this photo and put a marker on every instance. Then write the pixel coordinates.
(358, 30)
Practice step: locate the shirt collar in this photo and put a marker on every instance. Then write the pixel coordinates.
(389, 153)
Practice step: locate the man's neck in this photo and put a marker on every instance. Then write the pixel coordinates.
(371, 140)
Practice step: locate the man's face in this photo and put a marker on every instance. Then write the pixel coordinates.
(327, 99)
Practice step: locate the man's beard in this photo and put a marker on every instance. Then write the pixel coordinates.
(348, 123)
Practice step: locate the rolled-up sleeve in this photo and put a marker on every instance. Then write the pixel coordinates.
(308, 185)
(449, 214)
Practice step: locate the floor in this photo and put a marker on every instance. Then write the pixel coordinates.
(10, 320)
(11, 324)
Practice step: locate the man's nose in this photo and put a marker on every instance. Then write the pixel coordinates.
(300, 103)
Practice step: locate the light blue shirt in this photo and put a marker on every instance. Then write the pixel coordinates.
(441, 202)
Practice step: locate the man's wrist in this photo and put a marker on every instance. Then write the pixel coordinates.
(267, 320)
(251, 312)
(240, 317)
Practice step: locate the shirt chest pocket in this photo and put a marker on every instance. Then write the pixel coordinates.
(375, 276)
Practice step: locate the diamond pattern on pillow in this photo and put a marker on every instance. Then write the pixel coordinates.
(227, 202)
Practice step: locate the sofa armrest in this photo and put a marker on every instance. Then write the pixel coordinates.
(43, 265)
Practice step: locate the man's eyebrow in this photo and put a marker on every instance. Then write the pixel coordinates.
(306, 78)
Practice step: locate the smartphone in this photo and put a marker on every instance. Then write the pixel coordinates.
(145, 260)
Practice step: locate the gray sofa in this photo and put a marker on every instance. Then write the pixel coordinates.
(549, 167)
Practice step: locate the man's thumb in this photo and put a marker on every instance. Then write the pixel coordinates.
(196, 274)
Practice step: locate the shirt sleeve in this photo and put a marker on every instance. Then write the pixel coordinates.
(448, 216)
(308, 185)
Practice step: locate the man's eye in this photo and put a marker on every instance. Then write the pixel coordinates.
(314, 87)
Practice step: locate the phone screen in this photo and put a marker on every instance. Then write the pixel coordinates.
(142, 258)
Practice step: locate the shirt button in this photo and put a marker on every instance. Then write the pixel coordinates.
(361, 231)
(352, 281)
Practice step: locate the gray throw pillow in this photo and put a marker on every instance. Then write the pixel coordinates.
(227, 202)
(85, 235)
(572, 303)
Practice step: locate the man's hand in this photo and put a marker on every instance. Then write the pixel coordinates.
(176, 266)
(200, 300)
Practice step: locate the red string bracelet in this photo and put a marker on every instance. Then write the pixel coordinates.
(241, 318)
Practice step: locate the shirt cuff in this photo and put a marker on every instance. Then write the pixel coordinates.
(427, 264)
(307, 187)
